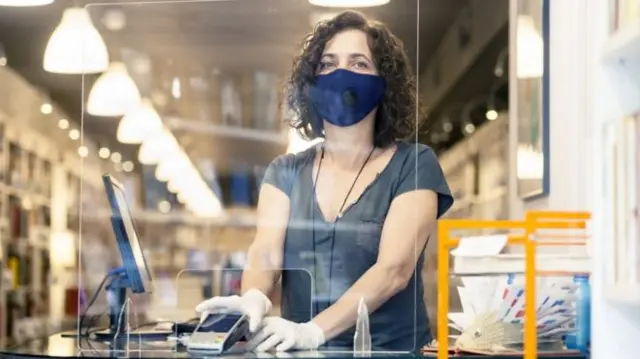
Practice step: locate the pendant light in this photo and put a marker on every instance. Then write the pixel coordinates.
(114, 93)
(139, 123)
(530, 49)
(76, 47)
(25, 3)
(156, 147)
(169, 165)
(348, 3)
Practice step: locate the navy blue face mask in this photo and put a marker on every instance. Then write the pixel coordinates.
(344, 98)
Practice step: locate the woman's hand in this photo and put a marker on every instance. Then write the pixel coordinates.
(252, 303)
(284, 335)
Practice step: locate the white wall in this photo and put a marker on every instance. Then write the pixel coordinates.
(616, 329)
(578, 103)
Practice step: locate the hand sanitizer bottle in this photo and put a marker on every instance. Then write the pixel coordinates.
(362, 337)
(583, 313)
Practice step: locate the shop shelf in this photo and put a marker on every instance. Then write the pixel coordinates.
(514, 264)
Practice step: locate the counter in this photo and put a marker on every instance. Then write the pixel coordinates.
(55, 346)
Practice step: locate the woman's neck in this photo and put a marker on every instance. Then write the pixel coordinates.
(348, 147)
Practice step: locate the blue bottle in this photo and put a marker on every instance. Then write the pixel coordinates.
(583, 313)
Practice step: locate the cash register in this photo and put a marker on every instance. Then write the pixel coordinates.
(216, 333)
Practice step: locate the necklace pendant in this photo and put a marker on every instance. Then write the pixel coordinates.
(340, 215)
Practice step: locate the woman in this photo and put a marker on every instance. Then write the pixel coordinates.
(353, 213)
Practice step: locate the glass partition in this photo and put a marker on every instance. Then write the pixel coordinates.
(255, 144)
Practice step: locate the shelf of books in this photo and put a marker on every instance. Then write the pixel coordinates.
(621, 162)
(38, 201)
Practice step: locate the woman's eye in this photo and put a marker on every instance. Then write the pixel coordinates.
(324, 66)
(361, 65)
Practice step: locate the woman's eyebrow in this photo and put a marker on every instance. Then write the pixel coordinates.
(359, 55)
(328, 56)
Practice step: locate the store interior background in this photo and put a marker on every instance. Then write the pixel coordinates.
(212, 72)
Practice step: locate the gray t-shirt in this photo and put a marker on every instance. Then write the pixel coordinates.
(338, 254)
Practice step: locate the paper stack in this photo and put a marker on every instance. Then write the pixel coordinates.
(493, 313)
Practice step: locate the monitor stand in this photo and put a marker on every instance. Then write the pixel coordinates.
(119, 328)
(118, 319)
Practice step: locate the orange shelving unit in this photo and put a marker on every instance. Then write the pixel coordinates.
(533, 232)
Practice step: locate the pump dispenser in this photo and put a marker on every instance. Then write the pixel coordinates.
(362, 337)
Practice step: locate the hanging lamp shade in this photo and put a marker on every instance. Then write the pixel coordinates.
(172, 164)
(114, 93)
(139, 123)
(348, 3)
(156, 147)
(76, 47)
(25, 3)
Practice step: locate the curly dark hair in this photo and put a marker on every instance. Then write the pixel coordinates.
(396, 115)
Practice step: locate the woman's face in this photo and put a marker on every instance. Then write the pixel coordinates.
(347, 50)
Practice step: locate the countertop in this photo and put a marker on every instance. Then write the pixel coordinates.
(55, 346)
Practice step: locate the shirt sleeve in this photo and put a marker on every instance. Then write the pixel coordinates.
(426, 175)
(281, 173)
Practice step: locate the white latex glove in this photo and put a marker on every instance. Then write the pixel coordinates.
(284, 335)
(253, 303)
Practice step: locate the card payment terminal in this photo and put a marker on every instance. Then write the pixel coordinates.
(218, 333)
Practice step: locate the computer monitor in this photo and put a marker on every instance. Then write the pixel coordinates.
(124, 228)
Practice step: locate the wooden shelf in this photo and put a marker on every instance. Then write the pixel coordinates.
(514, 264)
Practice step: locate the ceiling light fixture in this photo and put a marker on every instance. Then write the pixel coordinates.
(25, 3)
(83, 151)
(127, 166)
(46, 108)
(116, 157)
(157, 147)
(469, 129)
(447, 126)
(348, 3)
(164, 206)
(138, 124)
(492, 115)
(76, 47)
(104, 153)
(179, 161)
(63, 123)
(74, 134)
(114, 93)
(172, 188)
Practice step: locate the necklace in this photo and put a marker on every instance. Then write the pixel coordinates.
(333, 225)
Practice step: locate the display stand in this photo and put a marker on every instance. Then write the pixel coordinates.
(119, 328)
(534, 223)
